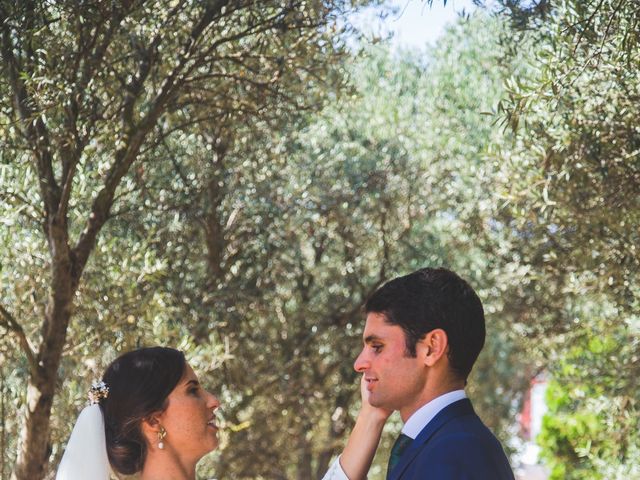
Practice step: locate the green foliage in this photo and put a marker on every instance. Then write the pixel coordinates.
(570, 186)
(591, 428)
(560, 430)
(368, 190)
(268, 201)
(252, 243)
(90, 95)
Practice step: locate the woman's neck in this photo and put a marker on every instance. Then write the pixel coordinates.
(165, 465)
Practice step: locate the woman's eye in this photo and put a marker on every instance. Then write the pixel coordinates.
(193, 391)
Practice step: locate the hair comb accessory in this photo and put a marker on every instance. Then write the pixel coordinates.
(97, 392)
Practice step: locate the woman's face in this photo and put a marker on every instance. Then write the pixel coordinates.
(189, 419)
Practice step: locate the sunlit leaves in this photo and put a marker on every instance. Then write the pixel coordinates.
(571, 190)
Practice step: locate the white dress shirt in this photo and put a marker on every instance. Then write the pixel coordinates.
(414, 425)
(335, 472)
(421, 417)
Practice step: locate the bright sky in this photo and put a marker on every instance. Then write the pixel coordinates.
(415, 24)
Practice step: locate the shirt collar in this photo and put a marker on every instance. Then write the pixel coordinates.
(421, 417)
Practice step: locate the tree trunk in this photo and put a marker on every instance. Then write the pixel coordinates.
(337, 429)
(214, 234)
(305, 456)
(3, 425)
(35, 448)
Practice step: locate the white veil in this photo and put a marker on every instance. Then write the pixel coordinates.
(86, 453)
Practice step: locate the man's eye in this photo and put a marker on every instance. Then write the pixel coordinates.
(376, 348)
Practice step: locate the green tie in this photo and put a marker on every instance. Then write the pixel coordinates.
(402, 442)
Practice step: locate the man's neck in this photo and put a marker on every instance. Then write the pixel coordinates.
(425, 414)
(430, 393)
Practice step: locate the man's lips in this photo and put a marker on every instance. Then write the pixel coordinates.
(370, 383)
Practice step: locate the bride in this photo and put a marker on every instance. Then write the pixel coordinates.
(150, 416)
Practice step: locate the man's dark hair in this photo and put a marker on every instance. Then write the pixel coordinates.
(433, 298)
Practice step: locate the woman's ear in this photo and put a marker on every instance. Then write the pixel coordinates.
(150, 426)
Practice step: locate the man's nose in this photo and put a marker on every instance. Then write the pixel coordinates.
(361, 363)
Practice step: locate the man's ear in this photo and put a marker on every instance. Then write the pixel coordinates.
(433, 346)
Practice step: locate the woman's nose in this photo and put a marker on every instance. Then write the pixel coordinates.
(213, 401)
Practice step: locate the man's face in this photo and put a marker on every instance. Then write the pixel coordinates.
(395, 381)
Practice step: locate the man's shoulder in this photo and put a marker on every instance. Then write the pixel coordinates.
(467, 422)
(468, 436)
(463, 446)
(465, 433)
(456, 418)
(462, 455)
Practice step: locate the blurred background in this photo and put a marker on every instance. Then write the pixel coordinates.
(234, 181)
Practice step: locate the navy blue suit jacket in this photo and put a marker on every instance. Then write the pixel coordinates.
(455, 445)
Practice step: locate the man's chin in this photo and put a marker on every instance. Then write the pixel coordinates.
(375, 401)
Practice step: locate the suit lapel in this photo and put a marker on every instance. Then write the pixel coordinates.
(456, 409)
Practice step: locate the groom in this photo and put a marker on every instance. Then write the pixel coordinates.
(423, 333)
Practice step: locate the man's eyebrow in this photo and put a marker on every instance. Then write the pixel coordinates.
(372, 338)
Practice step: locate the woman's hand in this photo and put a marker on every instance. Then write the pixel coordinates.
(369, 411)
(363, 441)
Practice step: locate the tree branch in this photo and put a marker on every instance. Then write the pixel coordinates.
(34, 128)
(10, 323)
(104, 201)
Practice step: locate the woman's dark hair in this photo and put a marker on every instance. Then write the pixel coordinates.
(139, 383)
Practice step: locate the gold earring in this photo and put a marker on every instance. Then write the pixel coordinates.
(161, 434)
